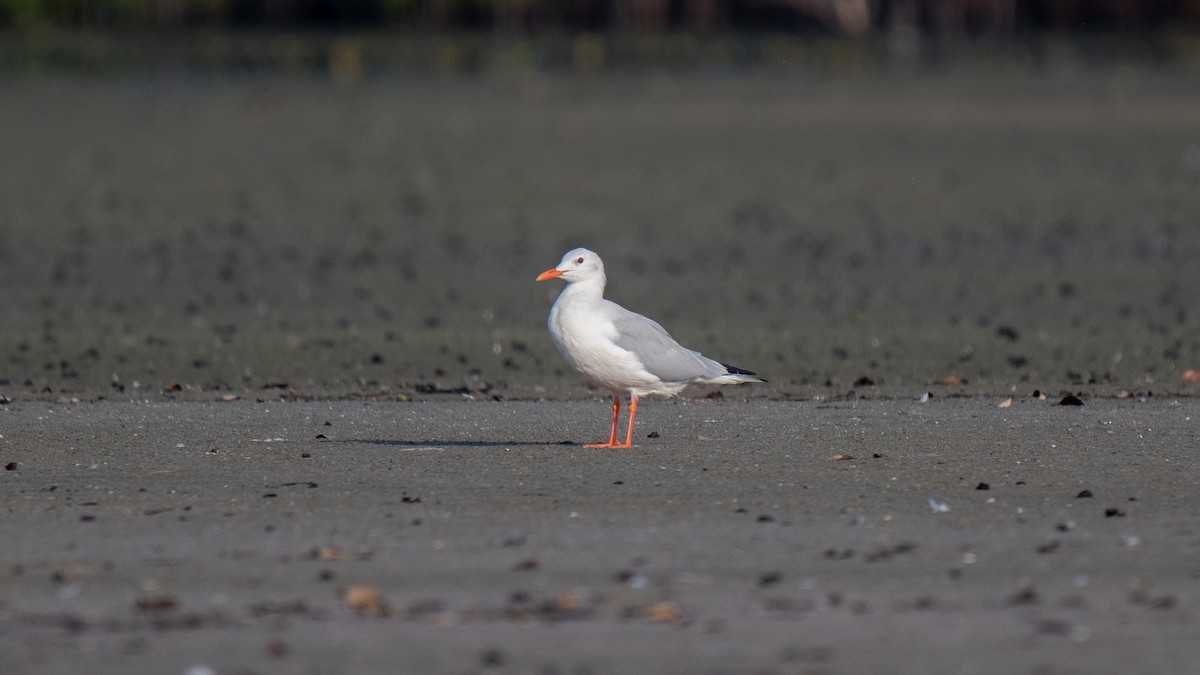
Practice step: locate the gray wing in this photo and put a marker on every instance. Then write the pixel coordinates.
(659, 353)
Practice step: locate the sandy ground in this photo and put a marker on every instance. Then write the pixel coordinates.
(955, 536)
(873, 234)
(352, 266)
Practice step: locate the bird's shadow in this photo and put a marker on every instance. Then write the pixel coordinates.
(398, 443)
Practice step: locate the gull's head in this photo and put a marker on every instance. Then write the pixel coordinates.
(578, 264)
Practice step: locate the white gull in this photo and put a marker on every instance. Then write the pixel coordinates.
(619, 350)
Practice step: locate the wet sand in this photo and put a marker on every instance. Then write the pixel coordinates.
(364, 255)
(872, 233)
(952, 536)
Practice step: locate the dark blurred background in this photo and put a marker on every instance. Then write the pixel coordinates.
(843, 17)
(576, 35)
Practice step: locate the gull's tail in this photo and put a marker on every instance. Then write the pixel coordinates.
(735, 375)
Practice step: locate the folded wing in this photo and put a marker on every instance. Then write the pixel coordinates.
(659, 353)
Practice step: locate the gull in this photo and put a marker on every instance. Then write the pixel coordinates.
(622, 351)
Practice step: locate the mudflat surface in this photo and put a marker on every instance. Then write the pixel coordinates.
(952, 536)
(277, 394)
(867, 233)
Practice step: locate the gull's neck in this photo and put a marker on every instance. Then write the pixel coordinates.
(586, 289)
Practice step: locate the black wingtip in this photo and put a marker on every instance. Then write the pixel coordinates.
(734, 370)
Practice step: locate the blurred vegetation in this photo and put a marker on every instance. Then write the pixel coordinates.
(351, 38)
(851, 17)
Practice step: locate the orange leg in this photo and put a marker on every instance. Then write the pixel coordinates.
(612, 435)
(632, 414)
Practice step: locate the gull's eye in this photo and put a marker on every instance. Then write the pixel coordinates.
(579, 260)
